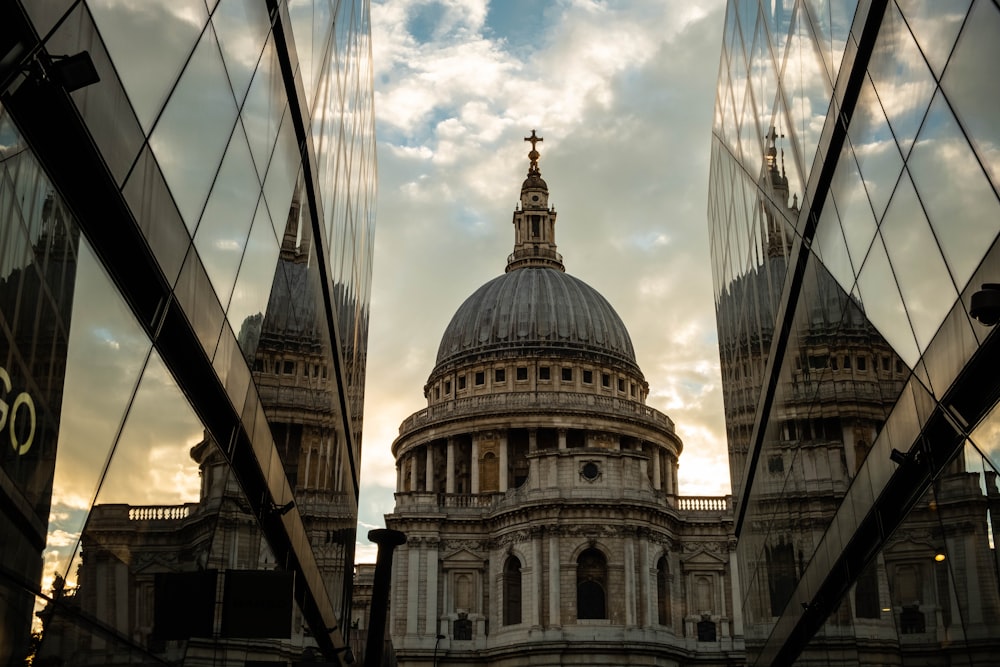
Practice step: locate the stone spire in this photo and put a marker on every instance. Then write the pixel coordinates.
(534, 220)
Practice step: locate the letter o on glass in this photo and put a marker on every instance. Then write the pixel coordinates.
(22, 447)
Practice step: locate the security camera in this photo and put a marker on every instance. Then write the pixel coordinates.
(985, 304)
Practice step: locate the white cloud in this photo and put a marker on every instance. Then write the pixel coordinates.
(623, 95)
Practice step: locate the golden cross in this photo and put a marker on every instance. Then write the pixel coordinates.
(533, 139)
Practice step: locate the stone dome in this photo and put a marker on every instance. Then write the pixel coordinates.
(536, 308)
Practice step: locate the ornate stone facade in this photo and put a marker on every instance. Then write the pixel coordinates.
(538, 491)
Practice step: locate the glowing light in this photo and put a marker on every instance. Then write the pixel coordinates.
(939, 557)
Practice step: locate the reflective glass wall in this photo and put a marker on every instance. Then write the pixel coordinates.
(186, 224)
(853, 216)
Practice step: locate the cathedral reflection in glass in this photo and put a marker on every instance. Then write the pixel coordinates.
(853, 216)
(185, 262)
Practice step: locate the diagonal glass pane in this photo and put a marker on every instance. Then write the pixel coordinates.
(149, 42)
(935, 26)
(198, 120)
(253, 286)
(856, 217)
(956, 194)
(222, 232)
(243, 29)
(970, 83)
(875, 148)
(927, 290)
(883, 304)
(902, 80)
(107, 349)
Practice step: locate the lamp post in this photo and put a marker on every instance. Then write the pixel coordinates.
(436, 642)
(387, 541)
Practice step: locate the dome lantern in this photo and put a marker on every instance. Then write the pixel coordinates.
(534, 220)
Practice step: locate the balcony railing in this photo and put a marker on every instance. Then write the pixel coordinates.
(525, 402)
(531, 253)
(158, 512)
(488, 502)
(703, 503)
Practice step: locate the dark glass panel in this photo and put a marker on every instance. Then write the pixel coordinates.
(156, 214)
(195, 295)
(103, 105)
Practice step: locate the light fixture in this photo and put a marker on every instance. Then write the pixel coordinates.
(985, 304)
(939, 557)
(74, 72)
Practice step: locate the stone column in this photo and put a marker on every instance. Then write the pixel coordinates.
(671, 477)
(630, 588)
(534, 613)
(532, 439)
(503, 462)
(562, 438)
(429, 469)
(474, 465)
(399, 476)
(555, 596)
(655, 462)
(734, 585)
(450, 480)
(412, 585)
(431, 624)
(413, 471)
(647, 604)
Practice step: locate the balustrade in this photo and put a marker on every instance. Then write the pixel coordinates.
(541, 401)
(159, 512)
(416, 501)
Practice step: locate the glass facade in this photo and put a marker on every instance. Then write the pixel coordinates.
(186, 238)
(853, 215)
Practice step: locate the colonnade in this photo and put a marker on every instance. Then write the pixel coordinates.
(496, 458)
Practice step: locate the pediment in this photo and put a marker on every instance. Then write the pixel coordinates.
(462, 556)
(703, 560)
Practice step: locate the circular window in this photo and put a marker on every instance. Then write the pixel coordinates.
(590, 470)
(534, 197)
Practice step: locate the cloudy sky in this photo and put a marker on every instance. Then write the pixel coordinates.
(623, 95)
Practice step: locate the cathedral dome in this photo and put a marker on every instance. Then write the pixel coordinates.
(536, 307)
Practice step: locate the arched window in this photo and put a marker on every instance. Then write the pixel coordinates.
(866, 603)
(591, 585)
(781, 576)
(662, 592)
(512, 591)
